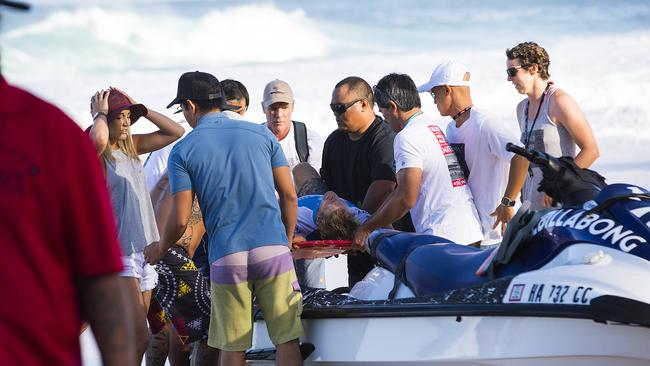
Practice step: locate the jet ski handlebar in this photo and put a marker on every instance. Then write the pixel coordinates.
(563, 181)
(536, 157)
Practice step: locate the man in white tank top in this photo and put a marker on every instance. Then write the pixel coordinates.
(479, 142)
(430, 181)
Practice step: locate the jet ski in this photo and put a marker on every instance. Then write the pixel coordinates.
(566, 286)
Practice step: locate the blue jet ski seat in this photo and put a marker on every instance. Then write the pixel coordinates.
(426, 263)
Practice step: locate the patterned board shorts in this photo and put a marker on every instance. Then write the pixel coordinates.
(268, 273)
(183, 292)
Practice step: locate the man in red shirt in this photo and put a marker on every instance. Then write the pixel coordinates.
(60, 258)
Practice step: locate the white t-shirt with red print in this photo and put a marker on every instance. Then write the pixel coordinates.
(444, 206)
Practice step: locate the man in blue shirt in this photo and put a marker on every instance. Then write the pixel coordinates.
(234, 168)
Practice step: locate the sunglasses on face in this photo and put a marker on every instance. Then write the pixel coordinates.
(340, 108)
(512, 71)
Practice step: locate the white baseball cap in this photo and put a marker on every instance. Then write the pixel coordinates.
(450, 73)
(277, 91)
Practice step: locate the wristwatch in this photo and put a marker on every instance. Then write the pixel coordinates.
(507, 202)
(100, 113)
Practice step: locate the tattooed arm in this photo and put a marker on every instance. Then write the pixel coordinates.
(105, 303)
(162, 199)
(194, 231)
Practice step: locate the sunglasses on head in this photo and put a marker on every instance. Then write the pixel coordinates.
(512, 71)
(340, 108)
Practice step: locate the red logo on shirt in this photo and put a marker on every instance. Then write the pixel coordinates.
(455, 170)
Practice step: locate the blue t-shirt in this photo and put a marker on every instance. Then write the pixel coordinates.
(229, 164)
(307, 209)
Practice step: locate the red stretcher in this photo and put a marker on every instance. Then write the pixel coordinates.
(311, 249)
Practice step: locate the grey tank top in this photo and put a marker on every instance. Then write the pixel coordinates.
(134, 215)
(545, 136)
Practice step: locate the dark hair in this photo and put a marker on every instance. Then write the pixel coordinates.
(340, 224)
(399, 88)
(233, 89)
(357, 86)
(530, 53)
(205, 105)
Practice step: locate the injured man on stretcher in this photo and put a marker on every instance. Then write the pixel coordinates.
(322, 214)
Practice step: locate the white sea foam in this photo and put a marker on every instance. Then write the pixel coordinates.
(94, 38)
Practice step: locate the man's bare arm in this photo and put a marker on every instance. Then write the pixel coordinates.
(194, 231)
(395, 206)
(105, 303)
(516, 178)
(377, 193)
(288, 198)
(174, 228)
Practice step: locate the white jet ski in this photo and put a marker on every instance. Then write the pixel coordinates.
(567, 286)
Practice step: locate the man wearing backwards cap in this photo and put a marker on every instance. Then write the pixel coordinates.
(234, 168)
(299, 144)
(479, 141)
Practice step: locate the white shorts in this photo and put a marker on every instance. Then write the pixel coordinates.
(135, 266)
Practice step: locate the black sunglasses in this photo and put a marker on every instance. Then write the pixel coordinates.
(340, 108)
(512, 71)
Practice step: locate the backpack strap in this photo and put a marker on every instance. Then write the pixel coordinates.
(300, 135)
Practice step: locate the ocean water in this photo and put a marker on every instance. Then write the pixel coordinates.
(600, 53)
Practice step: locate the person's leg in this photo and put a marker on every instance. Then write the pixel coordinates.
(278, 294)
(131, 276)
(307, 180)
(227, 358)
(204, 355)
(358, 267)
(311, 272)
(158, 348)
(231, 323)
(179, 353)
(288, 353)
(139, 316)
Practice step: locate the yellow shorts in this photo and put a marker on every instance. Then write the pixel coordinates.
(268, 273)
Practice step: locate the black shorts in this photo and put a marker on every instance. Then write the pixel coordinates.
(184, 293)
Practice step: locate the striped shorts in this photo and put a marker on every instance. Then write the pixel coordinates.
(268, 273)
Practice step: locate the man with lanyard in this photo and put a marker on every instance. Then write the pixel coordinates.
(430, 181)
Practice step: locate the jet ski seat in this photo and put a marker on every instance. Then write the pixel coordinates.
(426, 263)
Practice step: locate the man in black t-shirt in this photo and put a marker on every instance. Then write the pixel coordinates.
(358, 157)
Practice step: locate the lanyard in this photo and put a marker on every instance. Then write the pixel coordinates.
(528, 132)
(412, 116)
(461, 112)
